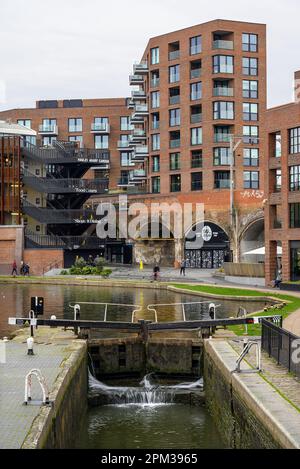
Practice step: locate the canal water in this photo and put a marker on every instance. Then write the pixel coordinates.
(15, 301)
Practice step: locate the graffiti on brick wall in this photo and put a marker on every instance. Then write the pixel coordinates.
(252, 194)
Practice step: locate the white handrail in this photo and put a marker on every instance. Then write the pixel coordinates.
(245, 352)
(183, 305)
(137, 308)
(41, 380)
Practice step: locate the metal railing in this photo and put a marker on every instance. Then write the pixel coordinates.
(248, 346)
(154, 307)
(60, 186)
(219, 44)
(282, 345)
(60, 216)
(36, 240)
(135, 308)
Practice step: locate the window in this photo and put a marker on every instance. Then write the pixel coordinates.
(126, 159)
(125, 123)
(155, 164)
(155, 185)
(77, 138)
(250, 133)
(222, 179)
(195, 69)
(295, 215)
(195, 45)
(250, 111)
(196, 114)
(221, 156)
(174, 117)
(174, 161)
(154, 80)
(222, 133)
(155, 120)
(196, 91)
(155, 141)
(295, 141)
(155, 97)
(278, 180)
(101, 123)
(75, 125)
(175, 183)
(196, 136)
(250, 66)
(223, 64)
(294, 178)
(101, 142)
(251, 180)
(174, 74)
(223, 110)
(250, 89)
(196, 182)
(175, 139)
(251, 157)
(48, 141)
(196, 159)
(30, 139)
(174, 95)
(250, 42)
(48, 125)
(24, 122)
(155, 56)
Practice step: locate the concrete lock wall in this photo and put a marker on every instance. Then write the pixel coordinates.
(56, 426)
(240, 425)
(133, 356)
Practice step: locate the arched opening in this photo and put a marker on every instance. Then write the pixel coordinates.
(156, 247)
(252, 243)
(207, 246)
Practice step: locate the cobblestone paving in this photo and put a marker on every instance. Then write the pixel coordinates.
(277, 375)
(16, 418)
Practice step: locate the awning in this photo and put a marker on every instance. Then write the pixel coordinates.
(8, 128)
(262, 252)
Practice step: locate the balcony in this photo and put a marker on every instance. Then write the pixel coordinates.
(124, 145)
(137, 95)
(140, 152)
(154, 83)
(195, 73)
(141, 110)
(223, 91)
(124, 182)
(136, 80)
(138, 176)
(101, 128)
(137, 135)
(227, 45)
(140, 68)
(174, 100)
(196, 118)
(222, 184)
(45, 129)
(174, 55)
(175, 143)
(131, 104)
(55, 216)
(222, 138)
(66, 186)
(66, 154)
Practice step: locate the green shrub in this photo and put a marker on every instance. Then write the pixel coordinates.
(80, 262)
(106, 273)
(64, 272)
(99, 264)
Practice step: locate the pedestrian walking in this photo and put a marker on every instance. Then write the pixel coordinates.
(22, 268)
(156, 271)
(14, 271)
(278, 279)
(26, 270)
(183, 267)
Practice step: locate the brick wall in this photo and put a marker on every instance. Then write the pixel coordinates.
(43, 260)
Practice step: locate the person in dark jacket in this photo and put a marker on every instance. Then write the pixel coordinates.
(14, 271)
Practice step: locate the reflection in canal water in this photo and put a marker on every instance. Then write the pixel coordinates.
(15, 301)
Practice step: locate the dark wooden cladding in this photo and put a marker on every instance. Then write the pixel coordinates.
(10, 177)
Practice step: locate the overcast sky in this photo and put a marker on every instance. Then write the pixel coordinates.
(86, 48)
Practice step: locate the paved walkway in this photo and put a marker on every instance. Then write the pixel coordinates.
(16, 419)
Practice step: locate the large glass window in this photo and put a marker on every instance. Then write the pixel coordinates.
(250, 66)
(294, 178)
(155, 164)
(196, 91)
(295, 140)
(223, 110)
(48, 141)
(223, 64)
(25, 122)
(250, 89)
(251, 180)
(196, 159)
(155, 56)
(155, 99)
(195, 45)
(175, 183)
(278, 145)
(221, 156)
(155, 120)
(250, 133)
(174, 117)
(251, 157)
(155, 184)
(250, 111)
(155, 141)
(75, 125)
(126, 159)
(196, 182)
(125, 123)
(101, 142)
(295, 260)
(174, 74)
(278, 180)
(295, 215)
(250, 42)
(174, 161)
(196, 136)
(77, 138)
(222, 179)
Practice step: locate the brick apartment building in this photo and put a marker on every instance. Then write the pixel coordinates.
(282, 214)
(195, 91)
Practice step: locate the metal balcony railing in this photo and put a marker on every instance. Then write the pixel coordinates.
(35, 240)
(196, 118)
(66, 186)
(222, 138)
(174, 100)
(138, 94)
(196, 73)
(154, 83)
(222, 184)
(140, 68)
(228, 45)
(173, 55)
(124, 145)
(51, 129)
(65, 154)
(175, 143)
(223, 91)
(64, 216)
(136, 80)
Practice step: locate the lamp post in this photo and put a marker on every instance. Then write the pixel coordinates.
(235, 142)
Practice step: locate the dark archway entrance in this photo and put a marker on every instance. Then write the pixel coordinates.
(209, 247)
